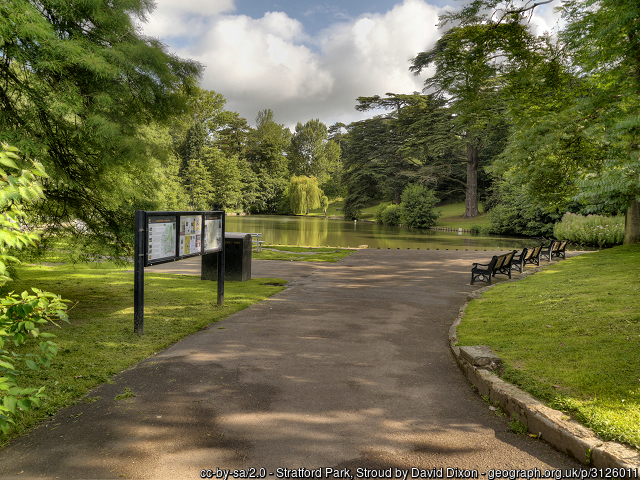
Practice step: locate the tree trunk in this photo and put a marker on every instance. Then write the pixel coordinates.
(632, 223)
(471, 201)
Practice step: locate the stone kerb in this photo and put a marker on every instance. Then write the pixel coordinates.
(478, 364)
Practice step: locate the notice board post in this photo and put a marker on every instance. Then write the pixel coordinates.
(138, 273)
(162, 237)
(221, 270)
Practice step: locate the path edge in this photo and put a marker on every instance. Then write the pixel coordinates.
(548, 424)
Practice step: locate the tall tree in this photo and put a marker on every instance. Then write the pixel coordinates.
(369, 168)
(427, 149)
(77, 80)
(266, 156)
(304, 194)
(311, 153)
(467, 62)
(586, 107)
(603, 37)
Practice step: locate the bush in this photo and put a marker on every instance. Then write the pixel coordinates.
(595, 230)
(391, 215)
(21, 316)
(377, 216)
(518, 214)
(417, 207)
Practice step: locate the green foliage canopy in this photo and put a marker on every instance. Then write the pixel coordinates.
(579, 97)
(77, 80)
(417, 207)
(304, 194)
(21, 316)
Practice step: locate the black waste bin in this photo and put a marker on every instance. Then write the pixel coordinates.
(237, 259)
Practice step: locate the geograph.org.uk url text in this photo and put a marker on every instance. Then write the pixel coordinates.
(418, 473)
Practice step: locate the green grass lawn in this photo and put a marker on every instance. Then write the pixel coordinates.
(451, 215)
(99, 341)
(333, 210)
(307, 254)
(570, 335)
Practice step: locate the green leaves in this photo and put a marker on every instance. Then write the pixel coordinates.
(79, 82)
(21, 316)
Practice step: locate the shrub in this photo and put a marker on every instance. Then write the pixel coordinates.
(517, 214)
(377, 216)
(21, 316)
(391, 215)
(417, 207)
(595, 230)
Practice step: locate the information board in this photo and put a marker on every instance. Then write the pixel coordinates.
(162, 237)
(190, 235)
(161, 243)
(212, 240)
(170, 236)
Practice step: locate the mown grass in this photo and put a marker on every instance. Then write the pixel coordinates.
(305, 254)
(451, 215)
(570, 335)
(99, 341)
(333, 210)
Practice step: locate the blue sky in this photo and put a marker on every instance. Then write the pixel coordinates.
(304, 60)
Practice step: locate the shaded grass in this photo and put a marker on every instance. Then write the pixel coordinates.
(334, 209)
(99, 341)
(570, 335)
(305, 254)
(452, 217)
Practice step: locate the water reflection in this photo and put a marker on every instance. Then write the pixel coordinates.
(319, 231)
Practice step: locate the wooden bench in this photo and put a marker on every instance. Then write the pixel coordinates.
(483, 272)
(556, 249)
(559, 250)
(527, 256)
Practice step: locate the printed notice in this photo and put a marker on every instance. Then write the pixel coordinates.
(162, 238)
(190, 235)
(212, 233)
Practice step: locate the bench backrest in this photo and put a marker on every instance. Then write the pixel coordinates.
(536, 251)
(559, 246)
(500, 261)
(508, 257)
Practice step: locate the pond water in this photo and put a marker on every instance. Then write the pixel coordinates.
(323, 232)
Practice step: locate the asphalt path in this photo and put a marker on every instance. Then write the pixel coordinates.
(346, 373)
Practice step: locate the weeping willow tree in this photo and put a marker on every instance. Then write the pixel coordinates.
(304, 194)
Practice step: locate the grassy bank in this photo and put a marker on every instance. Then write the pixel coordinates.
(570, 335)
(451, 215)
(289, 253)
(99, 341)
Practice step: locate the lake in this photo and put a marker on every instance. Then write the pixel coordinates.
(323, 232)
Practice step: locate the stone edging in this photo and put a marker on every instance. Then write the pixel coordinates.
(550, 425)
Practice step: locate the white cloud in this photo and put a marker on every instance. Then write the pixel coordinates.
(271, 63)
(546, 19)
(260, 59)
(184, 18)
(371, 55)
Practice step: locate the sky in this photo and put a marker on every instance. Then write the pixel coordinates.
(305, 60)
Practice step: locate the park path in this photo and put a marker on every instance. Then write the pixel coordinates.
(348, 368)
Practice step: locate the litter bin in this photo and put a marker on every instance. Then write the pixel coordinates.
(237, 259)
